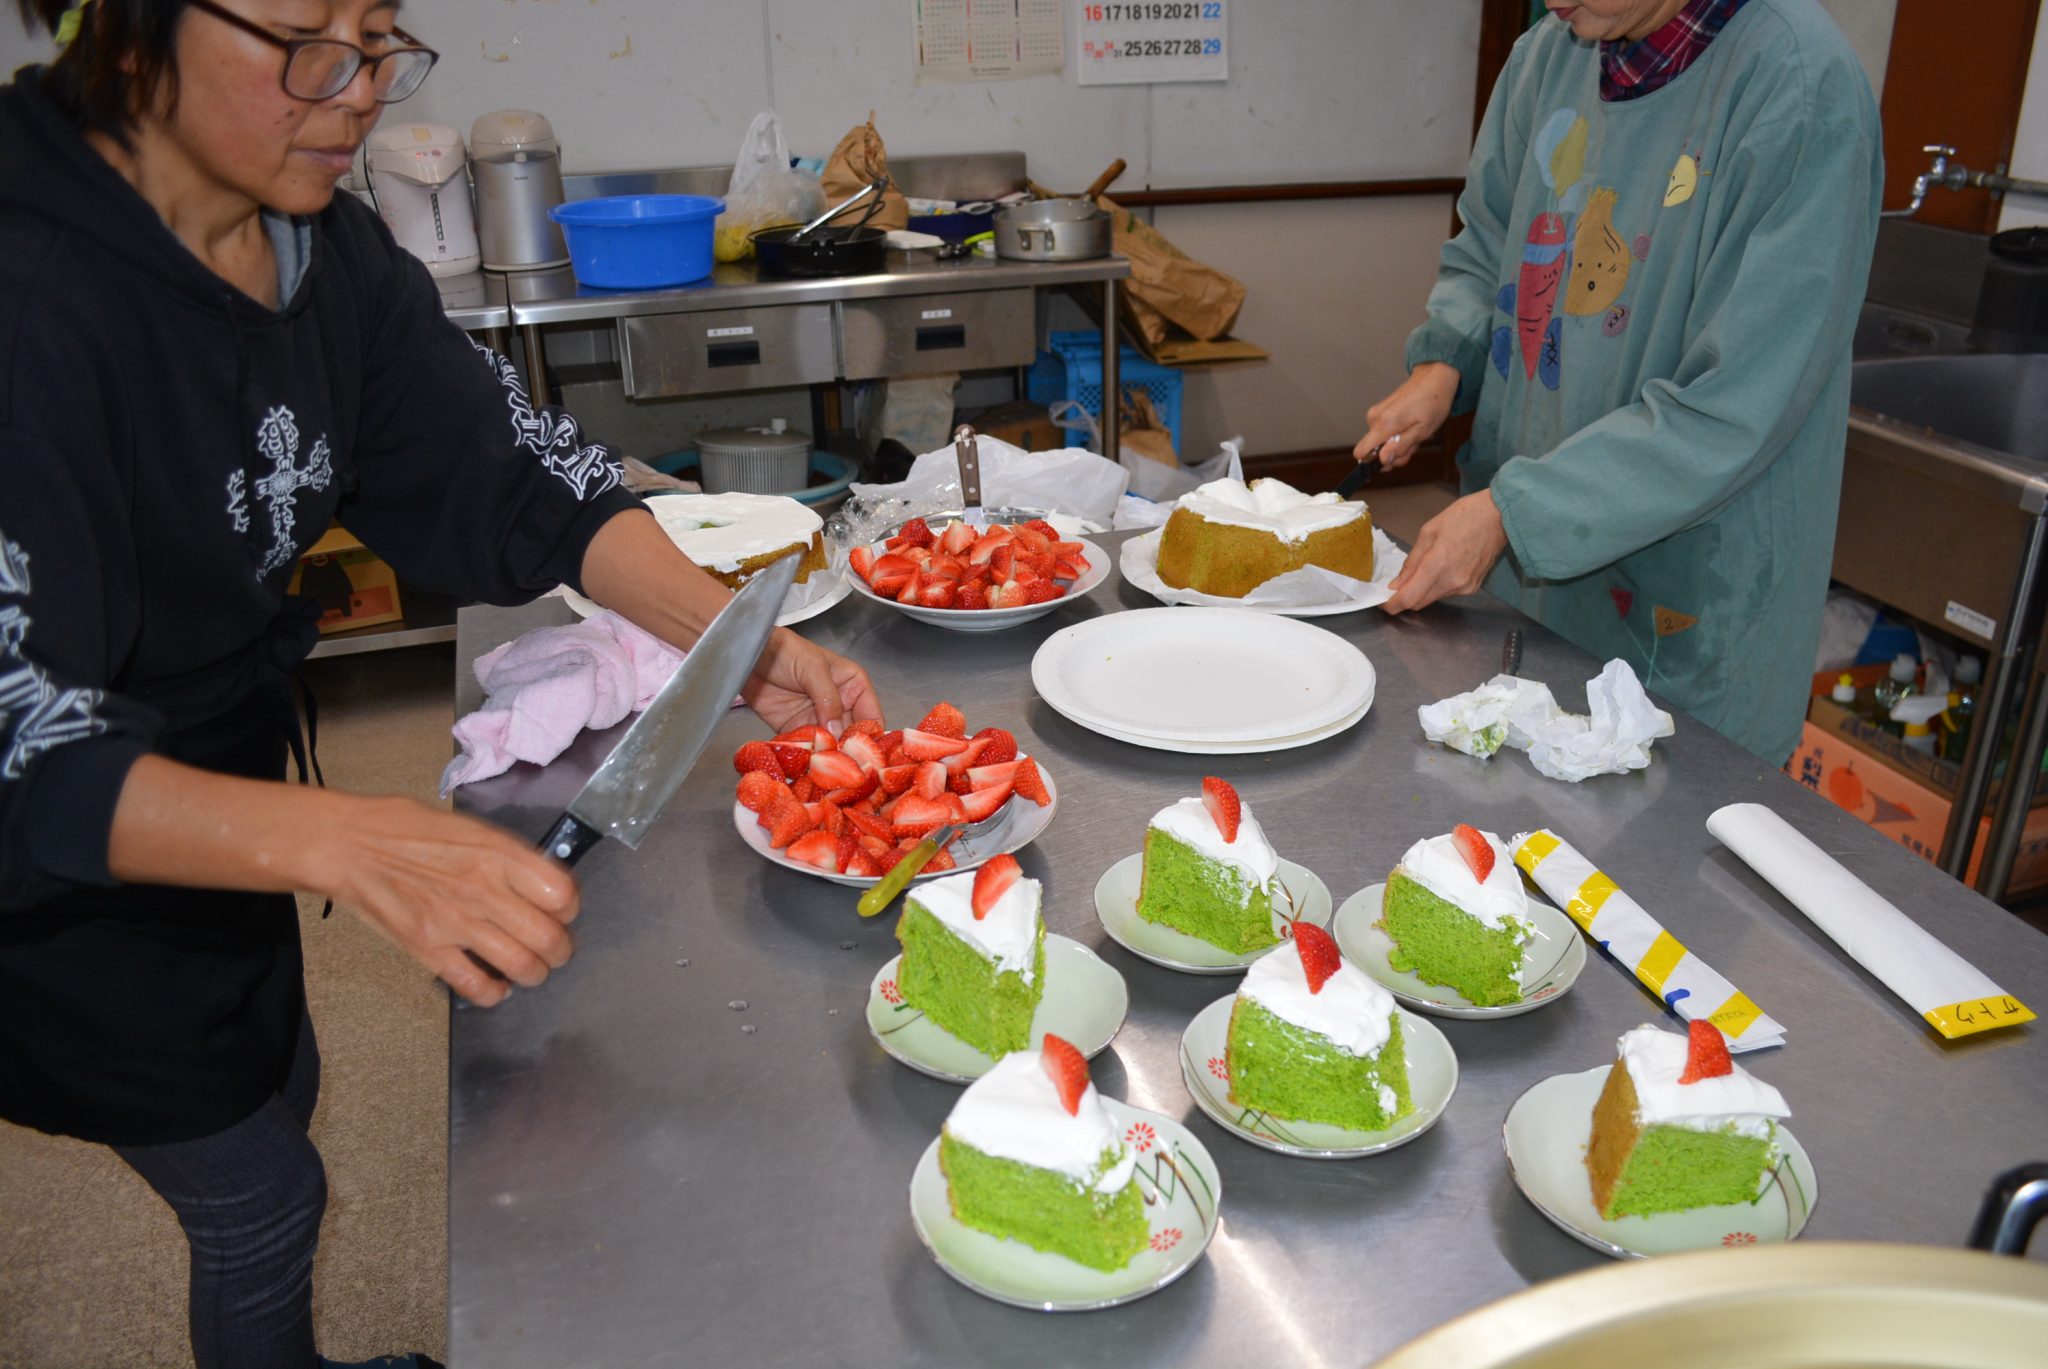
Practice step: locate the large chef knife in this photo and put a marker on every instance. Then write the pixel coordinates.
(627, 792)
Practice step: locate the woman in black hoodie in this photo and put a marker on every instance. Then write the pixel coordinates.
(205, 357)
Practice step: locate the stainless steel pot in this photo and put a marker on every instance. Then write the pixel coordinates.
(1052, 230)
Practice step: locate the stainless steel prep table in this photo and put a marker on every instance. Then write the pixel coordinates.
(635, 1180)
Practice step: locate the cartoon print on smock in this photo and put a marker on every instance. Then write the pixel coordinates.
(1531, 298)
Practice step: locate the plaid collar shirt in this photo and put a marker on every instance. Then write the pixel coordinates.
(1629, 71)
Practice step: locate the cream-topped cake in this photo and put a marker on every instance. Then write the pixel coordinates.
(734, 536)
(1209, 871)
(1680, 1125)
(1314, 1039)
(974, 954)
(1227, 538)
(1030, 1153)
(1458, 916)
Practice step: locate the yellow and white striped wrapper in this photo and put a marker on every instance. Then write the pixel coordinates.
(1954, 996)
(1687, 985)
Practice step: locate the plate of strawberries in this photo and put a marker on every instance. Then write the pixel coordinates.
(976, 579)
(847, 808)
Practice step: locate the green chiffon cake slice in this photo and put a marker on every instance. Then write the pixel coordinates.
(1288, 1072)
(965, 988)
(1440, 943)
(1044, 1208)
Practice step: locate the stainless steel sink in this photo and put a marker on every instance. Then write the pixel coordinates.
(1944, 515)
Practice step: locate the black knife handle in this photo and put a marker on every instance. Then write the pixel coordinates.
(570, 838)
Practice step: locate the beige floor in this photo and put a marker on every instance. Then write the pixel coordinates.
(92, 1266)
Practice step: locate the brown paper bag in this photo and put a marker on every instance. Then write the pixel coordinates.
(1167, 285)
(1144, 431)
(859, 160)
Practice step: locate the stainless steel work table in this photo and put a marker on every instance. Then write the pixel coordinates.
(635, 1180)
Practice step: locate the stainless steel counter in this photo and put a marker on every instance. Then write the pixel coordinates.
(635, 1180)
(476, 301)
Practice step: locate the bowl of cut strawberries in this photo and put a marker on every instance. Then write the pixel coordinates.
(976, 578)
(848, 807)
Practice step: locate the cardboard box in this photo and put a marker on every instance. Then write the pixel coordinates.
(1902, 793)
(1021, 424)
(355, 588)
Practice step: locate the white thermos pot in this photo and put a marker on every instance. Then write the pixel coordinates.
(417, 180)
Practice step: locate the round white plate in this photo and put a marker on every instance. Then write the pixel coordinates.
(1175, 1173)
(1546, 1134)
(1254, 748)
(807, 600)
(1432, 1079)
(1116, 904)
(1020, 827)
(1084, 1003)
(1329, 592)
(1202, 674)
(991, 619)
(1550, 963)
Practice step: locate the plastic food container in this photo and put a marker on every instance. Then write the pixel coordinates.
(639, 242)
(772, 460)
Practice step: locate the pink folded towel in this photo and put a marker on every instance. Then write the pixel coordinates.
(545, 687)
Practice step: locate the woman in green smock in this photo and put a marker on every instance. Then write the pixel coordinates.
(1668, 222)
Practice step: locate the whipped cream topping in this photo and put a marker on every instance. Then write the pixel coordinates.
(1350, 1009)
(1251, 853)
(1014, 1111)
(1008, 935)
(1655, 1058)
(1435, 864)
(1270, 506)
(718, 531)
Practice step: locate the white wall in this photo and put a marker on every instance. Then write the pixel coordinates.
(1868, 24)
(2030, 140)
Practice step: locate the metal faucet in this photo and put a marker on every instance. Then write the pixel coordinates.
(1946, 174)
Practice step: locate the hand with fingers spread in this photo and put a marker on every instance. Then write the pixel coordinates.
(1452, 554)
(1410, 416)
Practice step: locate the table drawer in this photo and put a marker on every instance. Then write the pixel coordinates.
(728, 349)
(974, 331)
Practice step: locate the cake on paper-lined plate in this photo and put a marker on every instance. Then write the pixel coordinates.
(1227, 538)
(974, 954)
(1210, 872)
(1458, 916)
(1030, 1153)
(1680, 1125)
(735, 536)
(1313, 1039)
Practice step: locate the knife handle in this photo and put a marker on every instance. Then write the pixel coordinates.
(569, 839)
(884, 890)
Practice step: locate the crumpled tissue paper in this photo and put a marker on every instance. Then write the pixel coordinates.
(1510, 711)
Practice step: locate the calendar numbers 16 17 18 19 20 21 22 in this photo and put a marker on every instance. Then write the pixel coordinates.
(1159, 10)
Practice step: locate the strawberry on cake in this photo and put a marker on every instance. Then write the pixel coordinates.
(1210, 872)
(974, 955)
(1030, 1154)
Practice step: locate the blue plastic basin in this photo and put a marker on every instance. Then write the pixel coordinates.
(639, 242)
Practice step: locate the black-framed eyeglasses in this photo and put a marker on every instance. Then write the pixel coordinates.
(321, 68)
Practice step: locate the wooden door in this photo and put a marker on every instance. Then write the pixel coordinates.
(1956, 75)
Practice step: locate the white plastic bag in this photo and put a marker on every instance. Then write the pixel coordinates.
(765, 190)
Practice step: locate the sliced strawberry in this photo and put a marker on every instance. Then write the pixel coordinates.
(1706, 1053)
(826, 818)
(1319, 957)
(954, 811)
(1225, 810)
(869, 782)
(1002, 560)
(787, 822)
(944, 721)
(1066, 549)
(864, 750)
(920, 745)
(931, 780)
(876, 846)
(849, 846)
(978, 805)
(948, 565)
(862, 559)
(1069, 1071)
(917, 533)
(983, 776)
(1030, 539)
(759, 789)
(1030, 784)
(897, 778)
(817, 849)
(863, 865)
(958, 537)
(936, 591)
(961, 761)
(865, 727)
(991, 882)
(939, 863)
(1043, 529)
(1002, 746)
(888, 741)
(1475, 848)
(957, 781)
(792, 760)
(835, 770)
(756, 756)
(912, 587)
(889, 572)
(893, 756)
(886, 860)
(972, 595)
(919, 557)
(1042, 592)
(914, 815)
(810, 736)
(804, 787)
(1071, 567)
(870, 824)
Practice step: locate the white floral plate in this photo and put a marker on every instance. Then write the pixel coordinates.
(1332, 593)
(1546, 1134)
(1116, 905)
(1084, 1002)
(991, 619)
(1020, 826)
(1550, 963)
(807, 600)
(1181, 1188)
(1432, 1079)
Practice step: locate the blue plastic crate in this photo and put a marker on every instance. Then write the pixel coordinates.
(1073, 370)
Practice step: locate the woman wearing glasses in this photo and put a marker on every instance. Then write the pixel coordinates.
(206, 355)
